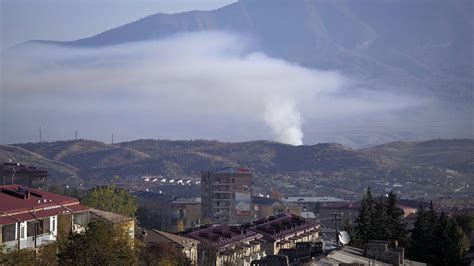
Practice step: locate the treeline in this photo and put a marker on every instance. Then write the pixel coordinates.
(436, 239)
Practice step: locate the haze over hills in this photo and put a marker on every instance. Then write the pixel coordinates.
(256, 69)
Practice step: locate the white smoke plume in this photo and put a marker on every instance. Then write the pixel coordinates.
(186, 86)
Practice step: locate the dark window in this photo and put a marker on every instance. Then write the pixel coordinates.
(38, 227)
(8, 232)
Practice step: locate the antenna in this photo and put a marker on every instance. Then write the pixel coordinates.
(112, 138)
(40, 136)
(75, 135)
(337, 217)
(344, 237)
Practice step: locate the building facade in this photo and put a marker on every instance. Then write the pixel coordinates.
(30, 218)
(226, 196)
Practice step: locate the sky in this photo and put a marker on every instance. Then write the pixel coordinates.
(62, 20)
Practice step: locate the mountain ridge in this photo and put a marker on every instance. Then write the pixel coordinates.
(97, 160)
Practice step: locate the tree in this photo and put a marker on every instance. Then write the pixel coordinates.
(450, 243)
(112, 199)
(101, 244)
(466, 222)
(437, 239)
(163, 255)
(379, 221)
(363, 223)
(422, 245)
(396, 229)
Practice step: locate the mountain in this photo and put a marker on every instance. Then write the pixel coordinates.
(59, 172)
(93, 160)
(457, 154)
(419, 46)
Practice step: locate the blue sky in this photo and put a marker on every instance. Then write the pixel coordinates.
(23, 20)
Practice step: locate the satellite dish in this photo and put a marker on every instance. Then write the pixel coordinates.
(344, 237)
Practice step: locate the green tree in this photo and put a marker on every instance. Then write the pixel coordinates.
(163, 255)
(101, 244)
(396, 229)
(466, 222)
(363, 223)
(422, 245)
(450, 243)
(379, 221)
(112, 199)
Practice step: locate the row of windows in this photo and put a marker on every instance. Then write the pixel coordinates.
(38, 227)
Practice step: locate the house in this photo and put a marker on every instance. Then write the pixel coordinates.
(284, 231)
(31, 217)
(296, 205)
(349, 212)
(265, 207)
(20, 174)
(186, 213)
(374, 253)
(187, 245)
(227, 245)
(83, 218)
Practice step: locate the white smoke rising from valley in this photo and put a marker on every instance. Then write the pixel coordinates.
(192, 83)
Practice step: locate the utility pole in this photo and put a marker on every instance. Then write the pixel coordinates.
(337, 218)
(40, 136)
(112, 138)
(75, 135)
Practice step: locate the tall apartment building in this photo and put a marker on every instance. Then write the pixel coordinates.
(226, 195)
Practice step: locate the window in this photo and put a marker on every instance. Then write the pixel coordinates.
(38, 227)
(54, 224)
(22, 231)
(8, 232)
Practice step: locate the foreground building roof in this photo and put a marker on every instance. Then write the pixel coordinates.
(19, 203)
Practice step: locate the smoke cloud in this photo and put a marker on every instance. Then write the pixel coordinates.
(196, 85)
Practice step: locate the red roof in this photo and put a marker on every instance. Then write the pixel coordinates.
(24, 204)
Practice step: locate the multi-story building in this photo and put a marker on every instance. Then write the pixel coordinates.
(30, 217)
(226, 196)
(186, 213)
(15, 173)
(227, 245)
(188, 246)
(241, 244)
(284, 231)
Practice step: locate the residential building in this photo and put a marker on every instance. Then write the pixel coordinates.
(31, 217)
(83, 218)
(265, 207)
(296, 205)
(227, 245)
(284, 231)
(226, 195)
(188, 246)
(20, 174)
(375, 253)
(155, 210)
(349, 212)
(186, 213)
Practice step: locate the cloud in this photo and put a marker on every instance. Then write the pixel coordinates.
(186, 80)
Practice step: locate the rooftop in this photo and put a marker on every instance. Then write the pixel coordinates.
(222, 235)
(20, 203)
(281, 225)
(110, 216)
(154, 236)
(231, 170)
(312, 199)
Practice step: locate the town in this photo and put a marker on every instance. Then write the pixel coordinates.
(229, 224)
